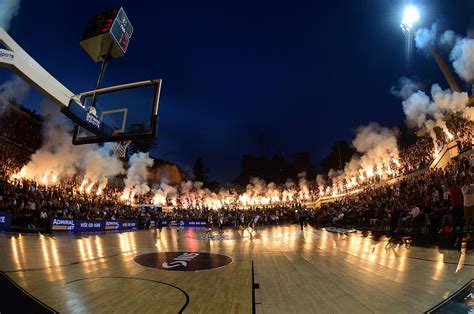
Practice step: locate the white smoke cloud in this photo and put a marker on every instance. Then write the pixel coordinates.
(462, 57)
(446, 101)
(352, 168)
(59, 159)
(99, 165)
(257, 193)
(334, 173)
(303, 192)
(163, 192)
(8, 10)
(420, 108)
(425, 112)
(377, 145)
(371, 136)
(406, 87)
(15, 89)
(425, 37)
(136, 180)
(416, 109)
(448, 39)
(320, 180)
(462, 53)
(377, 155)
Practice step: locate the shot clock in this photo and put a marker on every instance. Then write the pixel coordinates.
(107, 35)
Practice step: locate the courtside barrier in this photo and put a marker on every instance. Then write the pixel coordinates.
(5, 221)
(182, 223)
(78, 225)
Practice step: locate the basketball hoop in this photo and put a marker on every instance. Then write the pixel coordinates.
(120, 148)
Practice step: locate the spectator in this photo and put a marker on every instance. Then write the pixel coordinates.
(468, 195)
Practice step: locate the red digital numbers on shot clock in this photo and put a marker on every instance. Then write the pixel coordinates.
(104, 26)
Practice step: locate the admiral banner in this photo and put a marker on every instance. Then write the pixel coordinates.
(64, 224)
(5, 220)
(75, 225)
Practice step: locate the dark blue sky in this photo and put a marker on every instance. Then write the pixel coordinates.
(303, 73)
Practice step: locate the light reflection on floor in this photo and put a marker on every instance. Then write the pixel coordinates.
(282, 238)
(112, 253)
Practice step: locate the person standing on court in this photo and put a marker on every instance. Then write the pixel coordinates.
(255, 221)
(457, 207)
(302, 219)
(159, 223)
(468, 195)
(220, 219)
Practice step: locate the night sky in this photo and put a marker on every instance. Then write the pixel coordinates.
(303, 73)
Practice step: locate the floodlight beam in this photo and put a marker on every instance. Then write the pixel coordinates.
(410, 17)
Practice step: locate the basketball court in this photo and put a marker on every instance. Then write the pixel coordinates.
(274, 270)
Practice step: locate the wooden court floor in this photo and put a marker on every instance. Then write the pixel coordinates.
(313, 272)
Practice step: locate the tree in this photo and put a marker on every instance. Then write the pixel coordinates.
(341, 152)
(199, 171)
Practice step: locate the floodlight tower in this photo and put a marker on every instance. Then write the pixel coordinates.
(410, 17)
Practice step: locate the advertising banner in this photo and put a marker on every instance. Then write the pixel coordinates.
(61, 224)
(127, 224)
(193, 223)
(76, 225)
(183, 223)
(5, 220)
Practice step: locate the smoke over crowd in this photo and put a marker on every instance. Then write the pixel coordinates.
(136, 181)
(58, 159)
(423, 111)
(377, 156)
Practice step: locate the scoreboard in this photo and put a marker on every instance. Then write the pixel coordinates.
(107, 35)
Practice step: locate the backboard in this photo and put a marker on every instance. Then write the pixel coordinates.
(121, 113)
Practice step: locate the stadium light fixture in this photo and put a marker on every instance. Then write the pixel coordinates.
(410, 17)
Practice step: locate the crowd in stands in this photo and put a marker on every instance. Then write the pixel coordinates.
(416, 156)
(432, 202)
(32, 204)
(463, 132)
(21, 128)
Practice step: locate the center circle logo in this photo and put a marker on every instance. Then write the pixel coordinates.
(183, 261)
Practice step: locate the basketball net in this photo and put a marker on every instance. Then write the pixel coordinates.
(120, 148)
